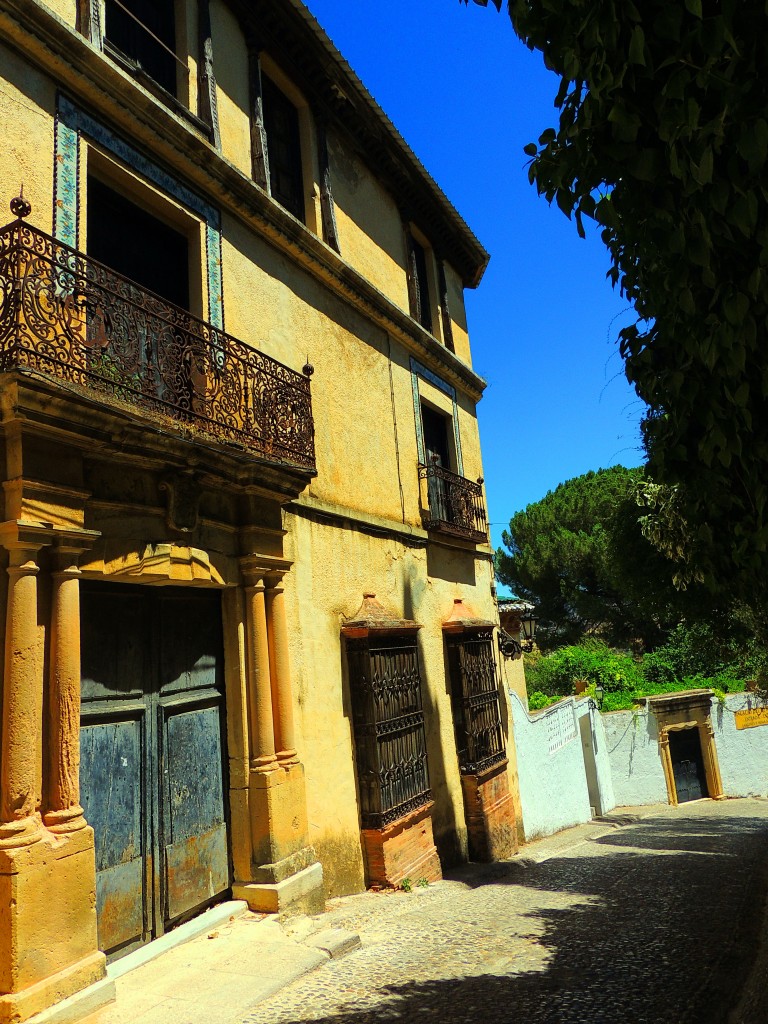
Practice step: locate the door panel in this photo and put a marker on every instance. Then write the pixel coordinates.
(112, 792)
(196, 870)
(687, 764)
(152, 756)
(194, 833)
(193, 771)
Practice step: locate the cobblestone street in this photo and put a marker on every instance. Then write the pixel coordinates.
(651, 922)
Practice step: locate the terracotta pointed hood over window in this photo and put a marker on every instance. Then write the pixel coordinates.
(463, 619)
(373, 617)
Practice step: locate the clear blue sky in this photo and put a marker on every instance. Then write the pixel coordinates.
(467, 96)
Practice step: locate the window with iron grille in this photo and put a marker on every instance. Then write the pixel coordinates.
(388, 717)
(475, 701)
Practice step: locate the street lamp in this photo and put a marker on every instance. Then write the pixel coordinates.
(528, 629)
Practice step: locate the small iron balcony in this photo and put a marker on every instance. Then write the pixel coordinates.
(75, 321)
(452, 504)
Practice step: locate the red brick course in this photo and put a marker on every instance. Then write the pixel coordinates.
(404, 849)
(490, 815)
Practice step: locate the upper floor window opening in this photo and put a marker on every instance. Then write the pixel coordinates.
(134, 243)
(437, 447)
(283, 133)
(143, 34)
(419, 290)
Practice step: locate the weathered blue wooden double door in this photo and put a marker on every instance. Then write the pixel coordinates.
(152, 742)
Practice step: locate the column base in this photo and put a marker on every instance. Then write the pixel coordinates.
(404, 849)
(48, 943)
(490, 815)
(278, 812)
(300, 893)
(67, 996)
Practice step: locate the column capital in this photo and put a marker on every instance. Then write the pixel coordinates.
(274, 581)
(24, 540)
(256, 567)
(68, 548)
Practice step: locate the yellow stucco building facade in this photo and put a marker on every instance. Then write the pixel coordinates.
(247, 589)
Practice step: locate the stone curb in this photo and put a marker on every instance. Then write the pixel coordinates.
(336, 942)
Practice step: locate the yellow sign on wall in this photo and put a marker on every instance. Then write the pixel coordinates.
(751, 719)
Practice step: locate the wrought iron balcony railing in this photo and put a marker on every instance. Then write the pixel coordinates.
(74, 320)
(453, 504)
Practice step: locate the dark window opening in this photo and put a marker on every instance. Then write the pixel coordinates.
(435, 437)
(137, 245)
(144, 31)
(418, 281)
(281, 125)
(390, 740)
(436, 450)
(475, 701)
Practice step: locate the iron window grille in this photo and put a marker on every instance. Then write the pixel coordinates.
(475, 701)
(388, 718)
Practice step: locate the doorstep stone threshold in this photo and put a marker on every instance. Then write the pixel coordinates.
(176, 937)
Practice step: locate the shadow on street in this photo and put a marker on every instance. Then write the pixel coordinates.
(662, 931)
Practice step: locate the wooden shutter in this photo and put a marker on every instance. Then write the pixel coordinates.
(327, 206)
(208, 106)
(445, 312)
(259, 154)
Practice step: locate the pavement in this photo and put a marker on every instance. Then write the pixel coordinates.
(653, 915)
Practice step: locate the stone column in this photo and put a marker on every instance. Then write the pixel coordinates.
(64, 813)
(711, 762)
(262, 734)
(282, 690)
(21, 774)
(666, 764)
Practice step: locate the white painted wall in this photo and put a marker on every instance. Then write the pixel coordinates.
(742, 753)
(595, 734)
(635, 761)
(632, 741)
(550, 761)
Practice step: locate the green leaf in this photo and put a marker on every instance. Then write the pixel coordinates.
(694, 7)
(531, 149)
(686, 301)
(703, 173)
(637, 46)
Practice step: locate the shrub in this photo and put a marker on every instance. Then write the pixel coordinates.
(538, 700)
(690, 650)
(593, 660)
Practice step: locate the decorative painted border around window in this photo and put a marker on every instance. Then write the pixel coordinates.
(419, 370)
(71, 123)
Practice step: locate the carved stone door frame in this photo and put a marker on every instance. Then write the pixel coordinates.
(687, 710)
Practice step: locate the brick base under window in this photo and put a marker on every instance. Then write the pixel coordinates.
(404, 849)
(490, 815)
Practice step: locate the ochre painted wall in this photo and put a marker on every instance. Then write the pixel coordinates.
(27, 106)
(371, 232)
(334, 566)
(231, 65)
(366, 446)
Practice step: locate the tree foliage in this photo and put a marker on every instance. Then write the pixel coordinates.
(663, 141)
(580, 556)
